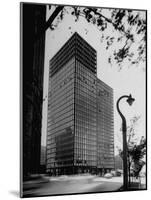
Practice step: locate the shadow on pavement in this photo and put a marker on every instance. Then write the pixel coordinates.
(14, 193)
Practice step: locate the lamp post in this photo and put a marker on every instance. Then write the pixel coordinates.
(129, 100)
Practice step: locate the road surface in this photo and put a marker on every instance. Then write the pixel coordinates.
(72, 184)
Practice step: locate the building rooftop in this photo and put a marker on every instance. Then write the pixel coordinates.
(76, 47)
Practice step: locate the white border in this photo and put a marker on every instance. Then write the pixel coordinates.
(9, 99)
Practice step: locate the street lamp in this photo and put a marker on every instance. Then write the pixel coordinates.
(129, 100)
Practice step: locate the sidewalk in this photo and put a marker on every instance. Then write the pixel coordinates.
(135, 186)
(35, 181)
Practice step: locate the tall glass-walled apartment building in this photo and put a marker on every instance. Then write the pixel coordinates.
(105, 127)
(76, 131)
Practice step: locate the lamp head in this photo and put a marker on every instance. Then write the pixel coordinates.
(130, 100)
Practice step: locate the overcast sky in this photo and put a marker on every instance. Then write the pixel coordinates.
(131, 79)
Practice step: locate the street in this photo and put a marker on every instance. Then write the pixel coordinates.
(72, 184)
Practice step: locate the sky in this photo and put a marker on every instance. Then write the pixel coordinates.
(129, 80)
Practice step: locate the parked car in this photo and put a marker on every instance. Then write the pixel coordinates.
(118, 173)
(108, 175)
(113, 173)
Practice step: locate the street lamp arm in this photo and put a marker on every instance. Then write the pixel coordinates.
(120, 113)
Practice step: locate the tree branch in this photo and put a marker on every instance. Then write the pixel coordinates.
(52, 17)
(109, 21)
(49, 22)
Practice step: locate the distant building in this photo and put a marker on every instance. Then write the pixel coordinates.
(118, 162)
(80, 113)
(43, 159)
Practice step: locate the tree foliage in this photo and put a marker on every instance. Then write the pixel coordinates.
(122, 30)
(136, 154)
(136, 149)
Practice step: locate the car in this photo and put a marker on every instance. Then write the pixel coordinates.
(118, 173)
(108, 175)
(113, 173)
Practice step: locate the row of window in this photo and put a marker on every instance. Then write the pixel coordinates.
(80, 97)
(105, 105)
(85, 81)
(83, 119)
(86, 53)
(85, 150)
(56, 67)
(86, 49)
(105, 128)
(62, 107)
(87, 140)
(85, 127)
(61, 93)
(68, 45)
(81, 67)
(59, 128)
(81, 162)
(80, 57)
(80, 154)
(105, 137)
(60, 57)
(103, 85)
(68, 163)
(108, 117)
(66, 107)
(56, 120)
(85, 106)
(85, 130)
(78, 158)
(66, 77)
(61, 104)
(59, 113)
(85, 77)
(85, 91)
(102, 113)
(82, 106)
(63, 81)
(85, 45)
(102, 121)
(83, 70)
(67, 69)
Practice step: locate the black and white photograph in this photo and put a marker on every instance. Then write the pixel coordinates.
(83, 99)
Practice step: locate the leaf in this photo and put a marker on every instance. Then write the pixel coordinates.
(99, 22)
(61, 15)
(109, 60)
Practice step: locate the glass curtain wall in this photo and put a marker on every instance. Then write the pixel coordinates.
(60, 137)
(105, 127)
(85, 120)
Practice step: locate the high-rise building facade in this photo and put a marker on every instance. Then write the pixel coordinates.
(105, 127)
(73, 117)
